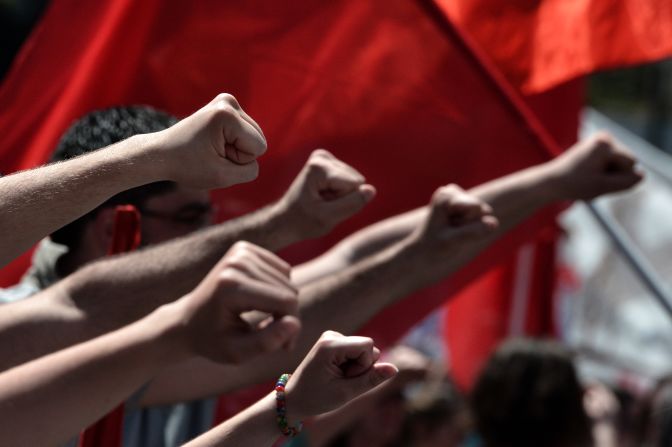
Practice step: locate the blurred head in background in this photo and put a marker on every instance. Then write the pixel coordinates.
(436, 415)
(528, 395)
(167, 210)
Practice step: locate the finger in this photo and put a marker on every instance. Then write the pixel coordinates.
(341, 183)
(374, 376)
(252, 122)
(267, 257)
(241, 174)
(270, 338)
(447, 211)
(256, 295)
(473, 230)
(464, 211)
(620, 161)
(243, 142)
(290, 343)
(353, 355)
(621, 182)
(351, 203)
(264, 273)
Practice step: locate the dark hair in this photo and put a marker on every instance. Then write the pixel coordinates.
(435, 404)
(99, 129)
(528, 394)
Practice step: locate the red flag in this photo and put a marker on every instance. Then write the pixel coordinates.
(540, 44)
(388, 86)
(313, 74)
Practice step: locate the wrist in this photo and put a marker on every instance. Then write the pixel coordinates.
(282, 219)
(143, 155)
(289, 413)
(554, 185)
(169, 331)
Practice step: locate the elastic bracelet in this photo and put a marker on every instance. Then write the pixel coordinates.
(281, 408)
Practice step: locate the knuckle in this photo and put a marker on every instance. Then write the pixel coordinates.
(225, 111)
(226, 98)
(228, 278)
(242, 246)
(321, 153)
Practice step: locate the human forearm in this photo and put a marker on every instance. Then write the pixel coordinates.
(336, 370)
(34, 203)
(94, 376)
(254, 426)
(591, 168)
(215, 147)
(342, 302)
(346, 293)
(91, 378)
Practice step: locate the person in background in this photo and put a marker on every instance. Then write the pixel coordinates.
(529, 394)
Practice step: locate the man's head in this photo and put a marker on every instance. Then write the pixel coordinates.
(528, 394)
(167, 210)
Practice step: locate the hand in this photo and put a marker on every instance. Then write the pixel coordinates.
(336, 370)
(216, 147)
(326, 192)
(247, 278)
(593, 167)
(454, 216)
(601, 404)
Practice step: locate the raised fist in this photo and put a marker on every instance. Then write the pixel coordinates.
(455, 215)
(248, 278)
(215, 147)
(593, 167)
(326, 192)
(336, 370)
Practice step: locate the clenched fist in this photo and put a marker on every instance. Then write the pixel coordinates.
(336, 370)
(453, 217)
(248, 278)
(216, 147)
(593, 167)
(326, 192)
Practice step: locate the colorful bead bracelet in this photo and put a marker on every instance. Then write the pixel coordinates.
(281, 408)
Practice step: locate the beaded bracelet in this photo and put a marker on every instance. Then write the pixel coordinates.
(281, 408)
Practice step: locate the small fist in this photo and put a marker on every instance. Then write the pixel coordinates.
(596, 166)
(455, 214)
(216, 147)
(326, 192)
(248, 278)
(336, 370)
(600, 403)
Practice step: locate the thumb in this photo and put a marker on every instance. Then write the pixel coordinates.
(476, 229)
(376, 375)
(351, 203)
(619, 182)
(241, 174)
(272, 337)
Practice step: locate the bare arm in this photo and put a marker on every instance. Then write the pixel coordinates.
(198, 151)
(434, 245)
(578, 174)
(111, 293)
(34, 203)
(336, 370)
(95, 376)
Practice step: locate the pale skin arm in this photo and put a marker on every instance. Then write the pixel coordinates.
(34, 203)
(48, 400)
(336, 370)
(215, 147)
(89, 303)
(512, 198)
(352, 294)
